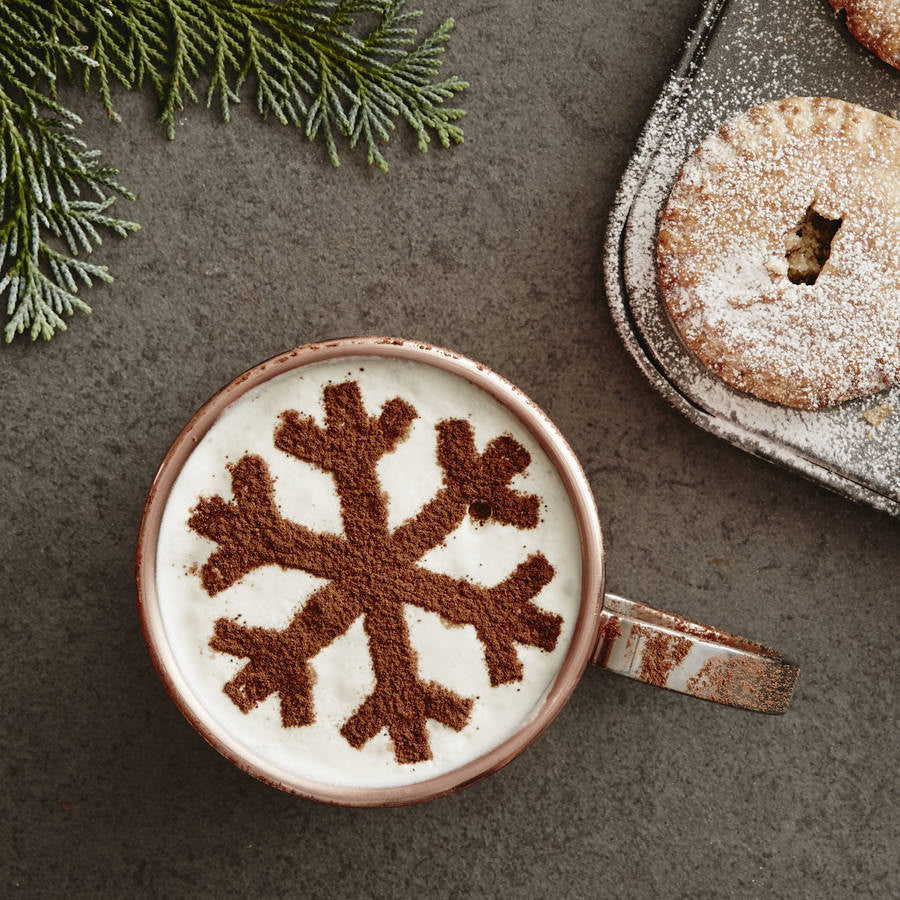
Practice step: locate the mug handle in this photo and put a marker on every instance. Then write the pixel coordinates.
(666, 650)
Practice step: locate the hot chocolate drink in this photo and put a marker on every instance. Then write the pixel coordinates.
(369, 572)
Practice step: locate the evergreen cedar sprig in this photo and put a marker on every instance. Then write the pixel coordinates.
(44, 170)
(309, 63)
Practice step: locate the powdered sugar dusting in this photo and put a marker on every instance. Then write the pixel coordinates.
(759, 52)
(724, 235)
(875, 24)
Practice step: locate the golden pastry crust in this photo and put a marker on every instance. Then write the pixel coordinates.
(875, 24)
(732, 222)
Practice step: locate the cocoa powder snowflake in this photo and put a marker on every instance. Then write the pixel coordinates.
(372, 571)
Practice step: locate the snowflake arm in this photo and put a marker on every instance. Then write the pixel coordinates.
(251, 532)
(279, 660)
(349, 447)
(502, 615)
(401, 702)
(475, 482)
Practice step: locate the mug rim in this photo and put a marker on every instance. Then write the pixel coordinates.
(552, 443)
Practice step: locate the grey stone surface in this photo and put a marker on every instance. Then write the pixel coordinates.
(252, 244)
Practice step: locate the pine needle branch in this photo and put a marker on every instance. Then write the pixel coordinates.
(44, 171)
(335, 69)
(307, 64)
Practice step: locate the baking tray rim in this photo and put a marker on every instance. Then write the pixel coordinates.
(671, 96)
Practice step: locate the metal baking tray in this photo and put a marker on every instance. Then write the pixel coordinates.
(740, 53)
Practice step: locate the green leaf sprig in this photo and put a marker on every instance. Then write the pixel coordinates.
(314, 64)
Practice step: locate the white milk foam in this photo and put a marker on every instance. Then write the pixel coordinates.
(269, 596)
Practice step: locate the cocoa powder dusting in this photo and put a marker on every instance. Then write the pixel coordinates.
(610, 632)
(744, 681)
(372, 571)
(661, 653)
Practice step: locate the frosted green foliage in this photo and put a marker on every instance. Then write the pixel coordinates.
(340, 71)
(54, 194)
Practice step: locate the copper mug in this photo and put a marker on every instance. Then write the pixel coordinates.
(626, 637)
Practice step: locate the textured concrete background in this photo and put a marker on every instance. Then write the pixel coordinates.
(252, 244)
